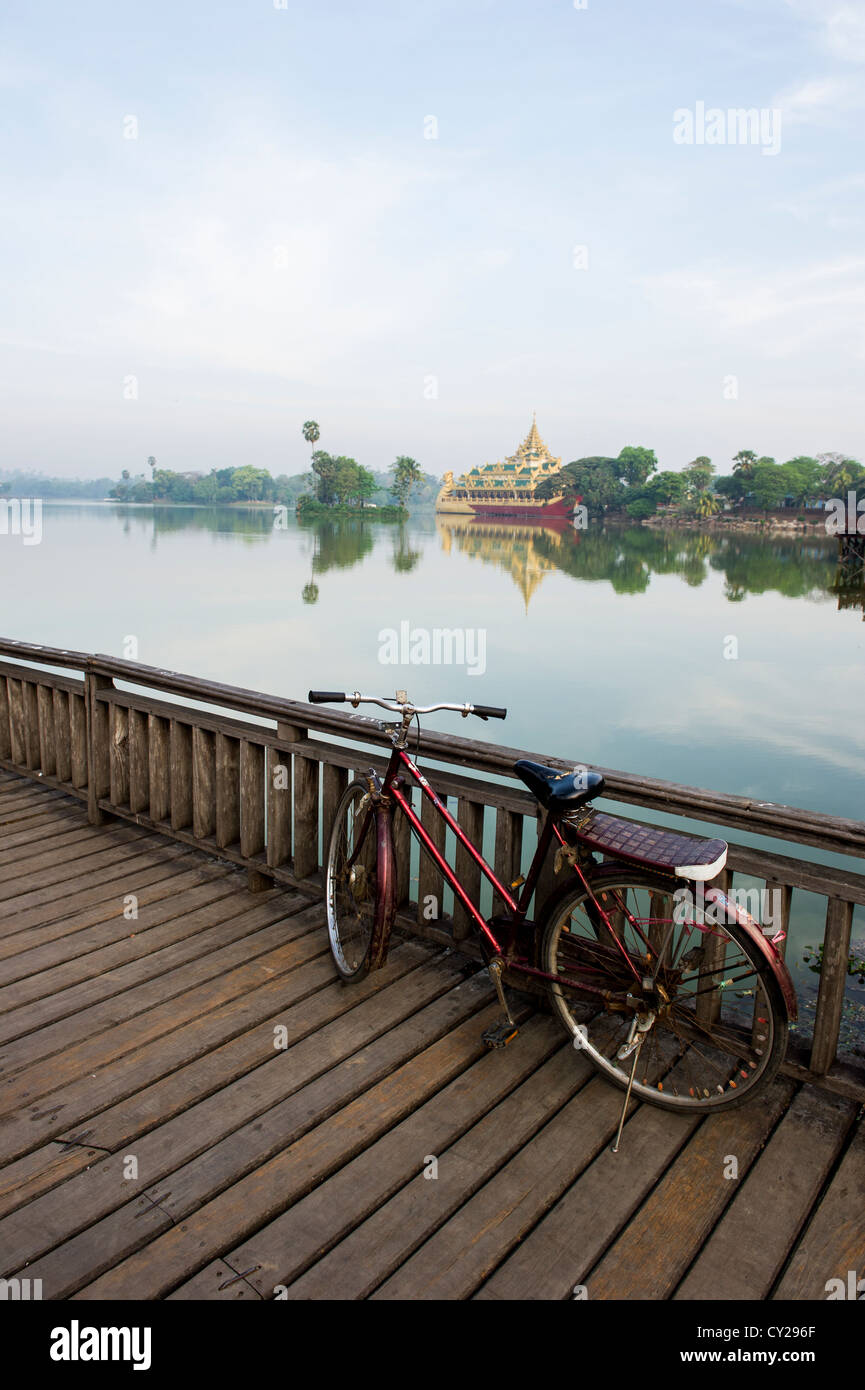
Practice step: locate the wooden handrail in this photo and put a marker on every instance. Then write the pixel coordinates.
(836, 834)
(261, 791)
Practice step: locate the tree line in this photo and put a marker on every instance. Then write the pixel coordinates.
(631, 482)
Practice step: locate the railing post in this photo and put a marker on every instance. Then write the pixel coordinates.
(98, 745)
(5, 734)
(430, 881)
(508, 852)
(470, 815)
(279, 798)
(833, 980)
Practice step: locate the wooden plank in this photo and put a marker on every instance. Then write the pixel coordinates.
(351, 1233)
(833, 1244)
(119, 756)
(31, 723)
(159, 767)
(508, 851)
(34, 881)
(47, 742)
(181, 941)
(473, 1241)
(68, 957)
(748, 1248)
(279, 804)
(139, 761)
(470, 817)
(269, 1189)
(833, 983)
(402, 845)
(306, 854)
(180, 764)
(553, 1260)
(252, 800)
(75, 895)
(430, 904)
(5, 736)
(62, 734)
(17, 743)
(171, 1155)
(547, 881)
(210, 1054)
(651, 1257)
(157, 1008)
(78, 739)
(227, 790)
(203, 783)
(98, 748)
(78, 1110)
(334, 782)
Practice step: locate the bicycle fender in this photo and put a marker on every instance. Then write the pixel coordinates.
(385, 901)
(730, 911)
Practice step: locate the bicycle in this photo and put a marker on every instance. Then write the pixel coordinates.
(645, 966)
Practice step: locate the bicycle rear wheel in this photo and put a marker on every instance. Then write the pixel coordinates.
(351, 883)
(720, 1028)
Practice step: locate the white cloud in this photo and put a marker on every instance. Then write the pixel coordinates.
(793, 309)
(840, 26)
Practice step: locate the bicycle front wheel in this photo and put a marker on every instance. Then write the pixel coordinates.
(351, 882)
(720, 1023)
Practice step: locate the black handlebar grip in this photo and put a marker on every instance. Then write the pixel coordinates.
(325, 697)
(489, 712)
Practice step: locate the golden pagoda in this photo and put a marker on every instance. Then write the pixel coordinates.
(507, 489)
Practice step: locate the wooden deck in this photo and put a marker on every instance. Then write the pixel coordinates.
(193, 1106)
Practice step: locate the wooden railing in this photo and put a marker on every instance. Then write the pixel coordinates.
(260, 790)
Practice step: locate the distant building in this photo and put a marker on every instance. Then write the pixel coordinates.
(507, 489)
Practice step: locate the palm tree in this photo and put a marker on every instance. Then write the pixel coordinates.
(151, 462)
(407, 472)
(706, 504)
(311, 433)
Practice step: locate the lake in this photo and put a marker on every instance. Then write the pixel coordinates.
(720, 661)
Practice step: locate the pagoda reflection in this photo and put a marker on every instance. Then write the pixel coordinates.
(527, 553)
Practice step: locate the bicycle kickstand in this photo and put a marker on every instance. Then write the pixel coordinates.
(636, 1038)
(503, 1032)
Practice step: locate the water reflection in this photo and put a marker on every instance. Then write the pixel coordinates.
(625, 557)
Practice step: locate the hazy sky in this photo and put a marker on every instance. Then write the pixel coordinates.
(281, 239)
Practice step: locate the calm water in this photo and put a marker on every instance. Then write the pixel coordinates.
(717, 662)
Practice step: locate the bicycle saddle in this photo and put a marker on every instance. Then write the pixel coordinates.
(557, 790)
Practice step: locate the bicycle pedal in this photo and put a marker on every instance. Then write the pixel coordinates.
(500, 1034)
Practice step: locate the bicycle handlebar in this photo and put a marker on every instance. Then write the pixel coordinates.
(321, 697)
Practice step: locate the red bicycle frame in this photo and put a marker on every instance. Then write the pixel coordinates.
(390, 792)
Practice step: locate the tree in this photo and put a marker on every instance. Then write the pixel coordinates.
(636, 464)
(698, 475)
(311, 434)
(840, 473)
(324, 467)
(251, 484)
(407, 474)
(151, 463)
(804, 477)
(706, 504)
(665, 488)
(744, 462)
(768, 484)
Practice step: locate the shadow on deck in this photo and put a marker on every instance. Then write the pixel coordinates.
(193, 1106)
